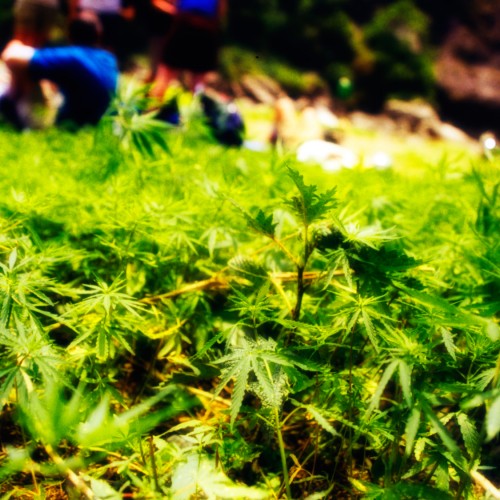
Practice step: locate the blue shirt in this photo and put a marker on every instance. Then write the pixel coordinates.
(86, 76)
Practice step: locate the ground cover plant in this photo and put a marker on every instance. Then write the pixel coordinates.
(182, 320)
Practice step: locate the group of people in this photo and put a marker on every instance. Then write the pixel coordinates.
(184, 38)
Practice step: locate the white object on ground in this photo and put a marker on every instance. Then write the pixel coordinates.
(489, 143)
(380, 160)
(329, 155)
(327, 118)
(255, 145)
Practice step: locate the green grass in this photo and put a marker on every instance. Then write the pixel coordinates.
(179, 319)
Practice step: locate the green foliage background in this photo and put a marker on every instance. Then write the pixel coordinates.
(383, 47)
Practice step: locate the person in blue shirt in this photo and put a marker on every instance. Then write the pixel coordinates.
(85, 75)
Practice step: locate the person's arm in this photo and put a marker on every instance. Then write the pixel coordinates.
(17, 55)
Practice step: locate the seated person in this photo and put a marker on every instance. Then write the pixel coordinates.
(85, 74)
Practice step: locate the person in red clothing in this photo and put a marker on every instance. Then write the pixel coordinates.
(189, 52)
(191, 45)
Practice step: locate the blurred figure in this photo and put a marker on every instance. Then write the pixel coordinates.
(156, 23)
(114, 16)
(36, 20)
(223, 118)
(37, 23)
(191, 44)
(85, 75)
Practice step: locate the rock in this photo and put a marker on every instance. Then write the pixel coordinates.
(292, 127)
(468, 69)
(411, 116)
(485, 17)
(463, 71)
(261, 88)
(326, 117)
(448, 132)
(332, 157)
(418, 117)
(380, 123)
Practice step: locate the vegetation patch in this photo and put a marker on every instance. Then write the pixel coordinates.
(183, 320)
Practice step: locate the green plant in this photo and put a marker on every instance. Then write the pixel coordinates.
(219, 320)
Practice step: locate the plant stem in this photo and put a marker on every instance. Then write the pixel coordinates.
(73, 478)
(300, 293)
(486, 484)
(153, 465)
(281, 445)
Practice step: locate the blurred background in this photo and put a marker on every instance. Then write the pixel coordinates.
(360, 52)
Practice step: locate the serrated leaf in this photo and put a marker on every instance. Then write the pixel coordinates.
(352, 321)
(248, 268)
(260, 223)
(442, 475)
(304, 364)
(448, 342)
(265, 224)
(13, 258)
(346, 269)
(268, 390)
(276, 358)
(198, 474)
(208, 345)
(483, 379)
(102, 344)
(370, 330)
(240, 386)
(386, 376)
(415, 492)
(94, 429)
(309, 206)
(7, 385)
(411, 430)
(445, 436)
(493, 419)
(469, 432)
(492, 330)
(449, 314)
(405, 380)
(123, 341)
(6, 310)
(320, 495)
(227, 374)
(419, 448)
(321, 420)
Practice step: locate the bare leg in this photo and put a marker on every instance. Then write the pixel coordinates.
(164, 77)
(155, 50)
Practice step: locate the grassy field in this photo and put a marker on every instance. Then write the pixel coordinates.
(184, 320)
